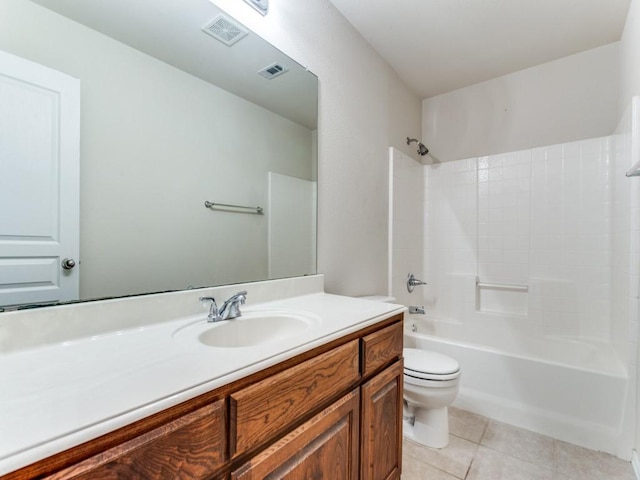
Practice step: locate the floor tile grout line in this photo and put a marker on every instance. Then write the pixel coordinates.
(464, 438)
(438, 468)
(513, 457)
(484, 431)
(471, 463)
(437, 451)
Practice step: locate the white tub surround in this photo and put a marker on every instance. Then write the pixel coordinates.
(72, 373)
(532, 264)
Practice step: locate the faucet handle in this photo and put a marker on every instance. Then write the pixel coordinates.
(231, 308)
(214, 314)
(413, 282)
(208, 299)
(233, 305)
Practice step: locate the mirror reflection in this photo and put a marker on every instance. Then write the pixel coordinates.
(170, 118)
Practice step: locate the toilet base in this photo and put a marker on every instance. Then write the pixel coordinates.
(430, 426)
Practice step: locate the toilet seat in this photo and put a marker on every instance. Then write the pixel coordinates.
(426, 365)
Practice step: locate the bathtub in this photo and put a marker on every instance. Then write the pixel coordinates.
(567, 389)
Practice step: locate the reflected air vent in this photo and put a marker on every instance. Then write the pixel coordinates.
(224, 29)
(272, 71)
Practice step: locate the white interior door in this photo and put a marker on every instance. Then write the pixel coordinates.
(39, 182)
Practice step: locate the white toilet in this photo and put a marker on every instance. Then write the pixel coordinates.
(430, 385)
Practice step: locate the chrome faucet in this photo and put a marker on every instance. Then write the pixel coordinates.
(230, 309)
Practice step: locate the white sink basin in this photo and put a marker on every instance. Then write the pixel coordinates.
(251, 329)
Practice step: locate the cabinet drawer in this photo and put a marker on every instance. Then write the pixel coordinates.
(324, 447)
(263, 410)
(193, 446)
(381, 347)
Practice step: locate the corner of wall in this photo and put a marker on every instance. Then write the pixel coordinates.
(629, 58)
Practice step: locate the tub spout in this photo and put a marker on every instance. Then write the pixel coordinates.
(413, 309)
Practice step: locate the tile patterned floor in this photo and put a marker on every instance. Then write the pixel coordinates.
(483, 449)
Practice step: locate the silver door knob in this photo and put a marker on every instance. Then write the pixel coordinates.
(68, 263)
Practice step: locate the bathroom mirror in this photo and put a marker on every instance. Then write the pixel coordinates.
(172, 117)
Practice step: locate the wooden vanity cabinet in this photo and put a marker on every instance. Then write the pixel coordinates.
(381, 440)
(270, 407)
(334, 412)
(193, 446)
(325, 447)
(381, 399)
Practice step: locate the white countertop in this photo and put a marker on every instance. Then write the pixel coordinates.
(55, 396)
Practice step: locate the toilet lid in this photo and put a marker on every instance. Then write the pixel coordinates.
(429, 365)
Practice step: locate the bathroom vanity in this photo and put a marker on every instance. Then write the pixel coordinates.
(325, 403)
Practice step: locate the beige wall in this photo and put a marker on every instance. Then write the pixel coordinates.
(363, 109)
(155, 144)
(513, 112)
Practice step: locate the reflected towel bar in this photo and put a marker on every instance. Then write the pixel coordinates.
(503, 286)
(256, 210)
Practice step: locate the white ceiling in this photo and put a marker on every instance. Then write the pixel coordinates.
(170, 30)
(441, 45)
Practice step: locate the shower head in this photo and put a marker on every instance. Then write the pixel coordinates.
(422, 150)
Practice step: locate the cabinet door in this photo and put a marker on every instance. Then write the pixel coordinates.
(325, 447)
(382, 425)
(191, 447)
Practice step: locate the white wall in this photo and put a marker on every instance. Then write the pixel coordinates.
(625, 254)
(407, 226)
(630, 59)
(363, 109)
(630, 86)
(155, 146)
(513, 112)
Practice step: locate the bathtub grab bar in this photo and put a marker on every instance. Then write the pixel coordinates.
(503, 286)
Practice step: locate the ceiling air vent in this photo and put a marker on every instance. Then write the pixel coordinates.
(224, 29)
(272, 71)
(261, 6)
